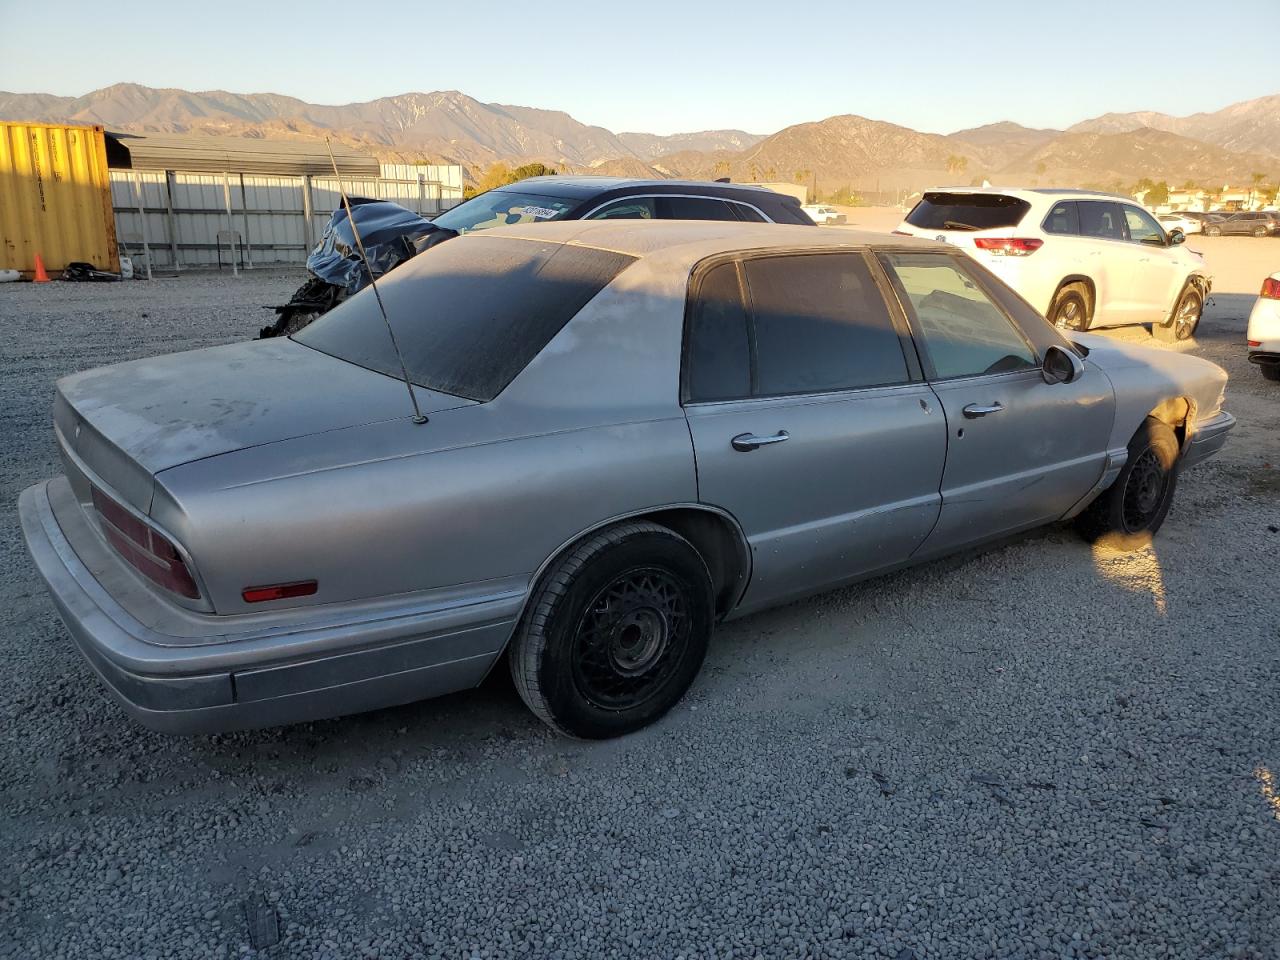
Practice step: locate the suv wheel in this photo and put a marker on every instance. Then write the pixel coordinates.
(1212, 230)
(615, 632)
(1128, 513)
(1070, 310)
(1185, 319)
(1259, 231)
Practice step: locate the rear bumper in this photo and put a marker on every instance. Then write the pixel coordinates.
(319, 665)
(1208, 439)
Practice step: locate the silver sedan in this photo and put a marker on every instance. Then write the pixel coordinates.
(633, 430)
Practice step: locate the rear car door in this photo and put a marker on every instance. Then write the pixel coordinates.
(1020, 451)
(810, 421)
(1158, 278)
(1113, 261)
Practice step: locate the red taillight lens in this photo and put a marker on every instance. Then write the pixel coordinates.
(1255, 343)
(1009, 246)
(146, 550)
(1270, 289)
(279, 591)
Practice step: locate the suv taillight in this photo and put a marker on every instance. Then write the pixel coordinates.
(1270, 289)
(146, 550)
(1009, 246)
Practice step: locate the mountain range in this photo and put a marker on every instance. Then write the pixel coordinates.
(847, 151)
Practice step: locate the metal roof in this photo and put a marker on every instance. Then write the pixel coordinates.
(193, 153)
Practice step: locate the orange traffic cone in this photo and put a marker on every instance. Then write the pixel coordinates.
(40, 275)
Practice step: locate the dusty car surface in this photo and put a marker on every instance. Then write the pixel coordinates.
(634, 430)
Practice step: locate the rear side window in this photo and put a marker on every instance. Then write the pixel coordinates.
(632, 208)
(694, 208)
(1063, 218)
(718, 355)
(820, 324)
(749, 214)
(469, 314)
(967, 211)
(1100, 219)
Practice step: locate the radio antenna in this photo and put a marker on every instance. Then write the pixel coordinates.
(404, 371)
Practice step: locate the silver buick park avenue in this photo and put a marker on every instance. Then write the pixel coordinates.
(630, 431)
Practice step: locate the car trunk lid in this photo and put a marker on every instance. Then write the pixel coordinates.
(125, 423)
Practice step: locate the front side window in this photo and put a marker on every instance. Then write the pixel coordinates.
(501, 208)
(469, 314)
(963, 332)
(1142, 226)
(1100, 219)
(1063, 218)
(820, 325)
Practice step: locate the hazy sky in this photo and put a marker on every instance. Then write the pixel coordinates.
(666, 67)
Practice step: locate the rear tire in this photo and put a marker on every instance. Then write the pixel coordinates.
(1212, 231)
(1259, 231)
(1186, 317)
(1070, 309)
(615, 632)
(1127, 514)
(1270, 371)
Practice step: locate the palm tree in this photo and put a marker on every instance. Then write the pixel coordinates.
(721, 168)
(957, 164)
(1257, 182)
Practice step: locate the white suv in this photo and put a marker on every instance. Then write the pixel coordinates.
(1083, 259)
(820, 213)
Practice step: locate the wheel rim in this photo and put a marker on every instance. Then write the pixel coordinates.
(1070, 315)
(1144, 491)
(1187, 318)
(631, 638)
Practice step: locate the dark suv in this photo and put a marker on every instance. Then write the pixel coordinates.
(541, 199)
(392, 234)
(1247, 224)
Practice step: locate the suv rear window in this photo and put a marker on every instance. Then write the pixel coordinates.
(469, 314)
(967, 211)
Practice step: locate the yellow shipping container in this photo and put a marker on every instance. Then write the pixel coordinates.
(55, 198)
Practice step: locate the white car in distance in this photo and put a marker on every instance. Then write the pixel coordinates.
(821, 213)
(1264, 329)
(1083, 259)
(1178, 221)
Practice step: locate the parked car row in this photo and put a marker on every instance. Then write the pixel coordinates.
(1083, 259)
(1259, 223)
(631, 431)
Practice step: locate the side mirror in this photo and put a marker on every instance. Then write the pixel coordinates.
(1176, 236)
(1061, 366)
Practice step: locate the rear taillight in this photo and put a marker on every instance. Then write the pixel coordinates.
(1009, 246)
(146, 550)
(279, 591)
(1270, 289)
(1255, 343)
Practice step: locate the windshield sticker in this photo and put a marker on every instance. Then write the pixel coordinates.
(539, 213)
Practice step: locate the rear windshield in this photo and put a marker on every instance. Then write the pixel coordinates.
(468, 314)
(967, 211)
(502, 208)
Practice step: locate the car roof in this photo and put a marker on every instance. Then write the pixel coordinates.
(1034, 193)
(683, 243)
(584, 187)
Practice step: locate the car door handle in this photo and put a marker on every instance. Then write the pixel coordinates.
(975, 410)
(745, 442)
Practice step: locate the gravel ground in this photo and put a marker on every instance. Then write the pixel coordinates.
(1039, 751)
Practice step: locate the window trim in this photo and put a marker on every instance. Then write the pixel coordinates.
(1076, 209)
(682, 196)
(957, 260)
(901, 327)
(1124, 226)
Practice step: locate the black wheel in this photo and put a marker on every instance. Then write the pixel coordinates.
(1259, 231)
(1270, 371)
(1128, 513)
(1070, 310)
(1213, 231)
(1186, 317)
(615, 633)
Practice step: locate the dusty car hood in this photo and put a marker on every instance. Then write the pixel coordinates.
(164, 411)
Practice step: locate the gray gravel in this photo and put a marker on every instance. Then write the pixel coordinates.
(1033, 752)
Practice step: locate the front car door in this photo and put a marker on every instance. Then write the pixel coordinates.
(810, 421)
(1020, 452)
(1158, 279)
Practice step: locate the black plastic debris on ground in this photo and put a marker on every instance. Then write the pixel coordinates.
(262, 922)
